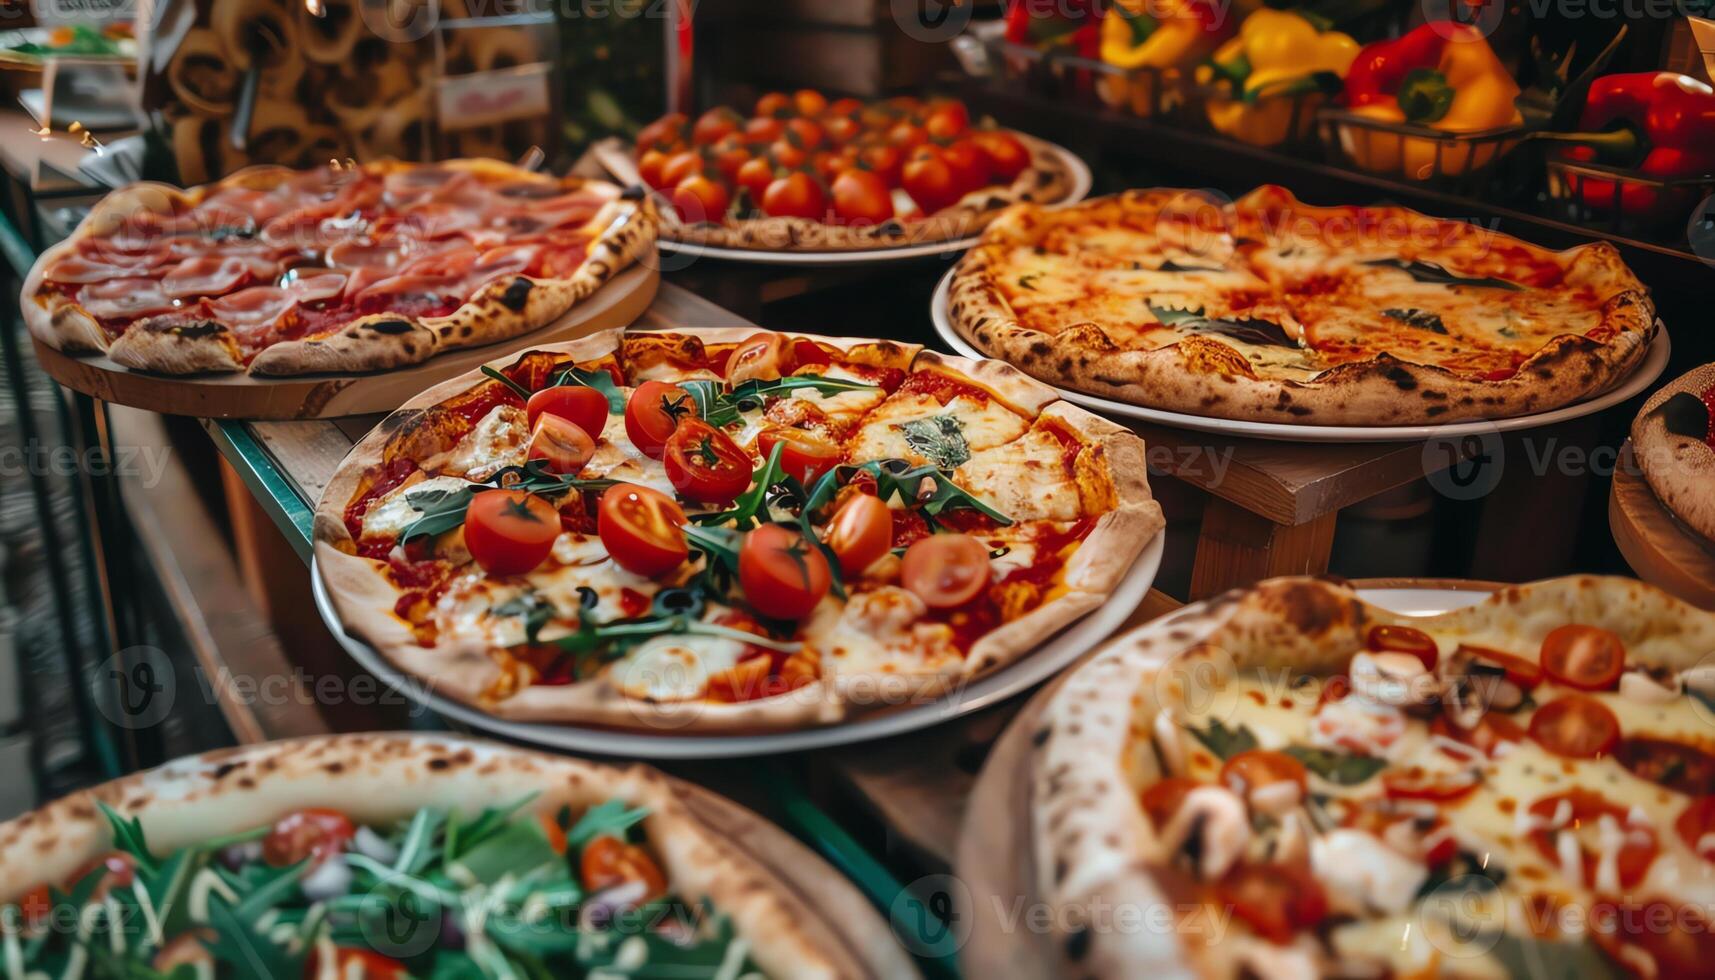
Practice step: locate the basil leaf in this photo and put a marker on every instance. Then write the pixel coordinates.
(1421, 319)
(940, 439)
(1223, 741)
(517, 389)
(1431, 273)
(518, 848)
(1337, 767)
(1528, 956)
(536, 612)
(442, 511)
(1250, 331)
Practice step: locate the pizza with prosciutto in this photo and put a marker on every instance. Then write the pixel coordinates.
(716, 529)
(1316, 786)
(1673, 438)
(385, 857)
(1268, 309)
(341, 268)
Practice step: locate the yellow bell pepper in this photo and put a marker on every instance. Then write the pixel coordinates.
(1443, 76)
(1279, 63)
(1149, 41)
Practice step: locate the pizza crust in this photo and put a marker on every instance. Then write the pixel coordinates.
(1680, 469)
(364, 599)
(1048, 180)
(1092, 845)
(1205, 377)
(500, 310)
(382, 777)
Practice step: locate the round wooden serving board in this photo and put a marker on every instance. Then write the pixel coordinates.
(1661, 550)
(836, 914)
(321, 396)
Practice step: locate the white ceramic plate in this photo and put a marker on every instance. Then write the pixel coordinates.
(1054, 654)
(1423, 602)
(1081, 183)
(1654, 363)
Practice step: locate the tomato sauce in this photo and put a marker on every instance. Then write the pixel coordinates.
(942, 387)
(982, 615)
(392, 474)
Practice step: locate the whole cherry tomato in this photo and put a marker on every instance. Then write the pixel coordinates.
(787, 152)
(783, 576)
(649, 167)
(510, 532)
(884, 159)
(755, 176)
(930, 181)
(704, 464)
(947, 120)
(714, 125)
(809, 102)
(698, 198)
(679, 166)
(907, 135)
(642, 529)
(729, 155)
(763, 129)
(841, 130)
(773, 104)
(796, 195)
(843, 108)
(1007, 156)
(861, 197)
(970, 168)
(653, 411)
(669, 130)
(809, 134)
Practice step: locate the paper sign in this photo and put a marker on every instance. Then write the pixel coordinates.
(487, 97)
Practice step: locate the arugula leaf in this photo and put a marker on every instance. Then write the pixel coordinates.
(128, 837)
(722, 953)
(442, 511)
(1548, 959)
(1223, 741)
(610, 819)
(532, 608)
(1337, 767)
(927, 488)
(598, 379)
(710, 397)
(1421, 319)
(752, 501)
(517, 389)
(940, 439)
(517, 848)
(1431, 273)
(252, 954)
(720, 407)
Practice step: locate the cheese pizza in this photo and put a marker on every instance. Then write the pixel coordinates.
(1315, 786)
(723, 530)
(341, 268)
(1267, 309)
(1673, 439)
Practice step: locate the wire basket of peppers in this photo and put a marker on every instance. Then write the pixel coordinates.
(1050, 47)
(1433, 106)
(1643, 158)
(1265, 86)
(1150, 50)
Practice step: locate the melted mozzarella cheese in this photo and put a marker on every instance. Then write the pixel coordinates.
(616, 458)
(391, 514)
(561, 586)
(1364, 875)
(674, 668)
(1025, 479)
(498, 441)
(983, 424)
(880, 631)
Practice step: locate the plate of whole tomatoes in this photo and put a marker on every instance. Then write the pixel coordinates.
(799, 178)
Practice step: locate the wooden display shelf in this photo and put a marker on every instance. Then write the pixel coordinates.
(1660, 549)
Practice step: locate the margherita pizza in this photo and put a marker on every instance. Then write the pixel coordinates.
(350, 268)
(1267, 309)
(725, 530)
(1314, 786)
(382, 857)
(1673, 439)
(800, 173)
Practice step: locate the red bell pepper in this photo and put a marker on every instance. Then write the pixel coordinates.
(1380, 68)
(1050, 23)
(1659, 124)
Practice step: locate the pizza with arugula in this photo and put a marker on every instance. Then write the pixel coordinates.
(340, 268)
(1317, 786)
(720, 529)
(1268, 309)
(381, 857)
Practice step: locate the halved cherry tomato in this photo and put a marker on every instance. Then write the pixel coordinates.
(773, 104)
(1276, 900)
(809, 102)
(581, 405)
(1525, 673)
(861, 197)
(945, 570)
(754, 177)
(317, 833)
(608, 862)
(930, 181)
(552, 830)
(704, 464)
(1587, 808)
(1677, 936)
(562, 444)
(1585, 657)
(653, 411)
(1404, 639)
(1696, 824)
(669, 130)
(642, 529)
(1680, 767)
(509, 532)
(783, 576)
(947, 120)
(1007, 156)
(699, 199)
(1575, 726)
(352, 963)
(1490, 731)
(860, 533)
(715, 125)
(765, 356)
(802, 454)
(1253, 769)
(1423, 783)
(796, 195)
(1164, 797)
(36, 905)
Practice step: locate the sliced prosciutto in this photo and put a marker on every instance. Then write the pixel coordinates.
(254, 307)
(78, 270)
(213, 275)
(124, 299)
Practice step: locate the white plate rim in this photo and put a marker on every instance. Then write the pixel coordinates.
(1056, 653)
(1082, 181)
(1413, 601)
(1648, 371)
